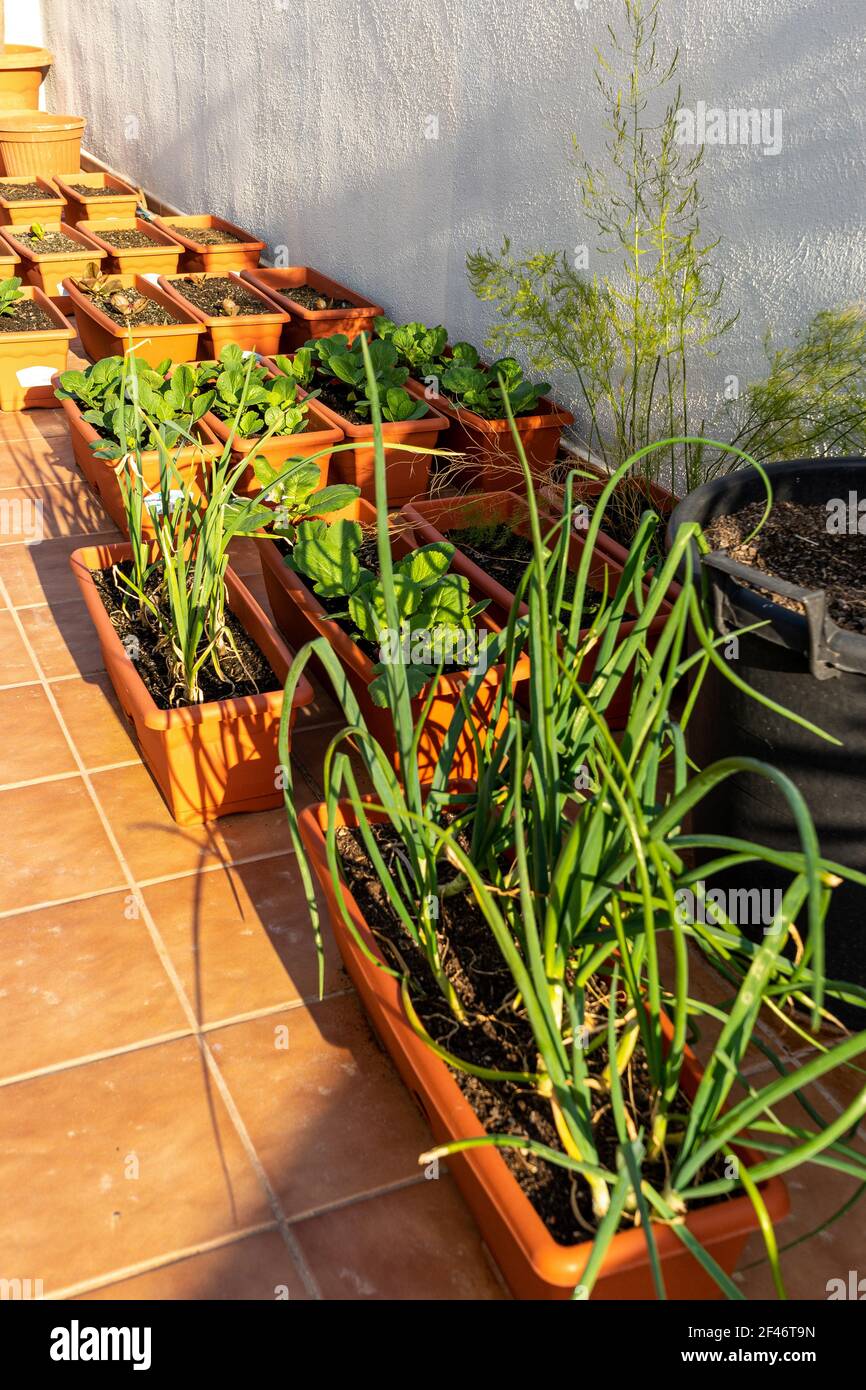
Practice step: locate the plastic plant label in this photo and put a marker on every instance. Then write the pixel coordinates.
(35, 376)
(150, 277)
(153, 501)
(61, 290)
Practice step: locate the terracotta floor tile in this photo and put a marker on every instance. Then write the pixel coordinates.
(50, 513)
(122, 1160)
(33, 743)
(63, 638)
(154, 845)
(15, 662)
(255, 1267)
(100, 730)
(78, 979)
(53, 845)
(327, 1114)
(816, 1194)
(240, 939)
(41, 573)
(416, 1243)
(32, 424)
(24, 462)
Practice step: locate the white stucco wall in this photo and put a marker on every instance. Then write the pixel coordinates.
(306, 123)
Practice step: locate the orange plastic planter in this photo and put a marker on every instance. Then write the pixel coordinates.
(433, 518)
(586, 490)
(232, 255)
(407, 472)
(213, 759)
(23, 211)
(189, 462)
(278, 450)
(300, 617)
(313, 323)
(48, 271)
(102, 337)
(160, 258)
(28, 361)
(22, 70)
(80, 207)
(489, 445)
(253, 332)
(534, 1265)
(39, 142)
(9, 262)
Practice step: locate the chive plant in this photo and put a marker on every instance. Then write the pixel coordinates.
(572, 845)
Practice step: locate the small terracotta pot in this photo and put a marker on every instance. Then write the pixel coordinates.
(489, 445)
(38, 142)
(588, 491)
(23, 211)
(234, 255)
(432, 519)
(190, 463)
(22, 71)
(208, 760)
(29, 361)
(534, 1265)
(305, 323)
(80, 207)
(102, 337)
(407, 473)
(160, 258)
(278, 450)
(300, 616)
(49, 271)
(253, 332)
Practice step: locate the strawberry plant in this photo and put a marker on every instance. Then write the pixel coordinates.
(297, 497)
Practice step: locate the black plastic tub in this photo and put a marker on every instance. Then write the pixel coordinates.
(807, 663)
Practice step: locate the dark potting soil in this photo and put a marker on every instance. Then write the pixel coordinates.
(127, 307)
(310, 298)
(504, 555)
(248, 673)
(51, 244)
(497, 1036)
(87, 191)
(334, 396)
(219, 297)
(18, 192)
(26, 317)
(795, 544)
(206, 236)
(127, 238)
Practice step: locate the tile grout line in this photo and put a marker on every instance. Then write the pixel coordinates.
(305, 1001)
(65, 776)
(186, 1252)
(160, 947)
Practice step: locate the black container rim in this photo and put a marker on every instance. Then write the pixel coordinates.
(840, 648)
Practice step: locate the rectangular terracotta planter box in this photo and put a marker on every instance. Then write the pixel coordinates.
(102, 337)
(160, 258)
(319, 435)
(300, 616)
(80, 207)
(304, 323)
(432, 520)
(233, 255)
(28, 361)
(49, 271)
(214, 759)
(489, 445)
(533, 1264)
(24, 211)
(258, 333)
(407, 473)
(190, 463)
(589, 490)
(9, 263)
